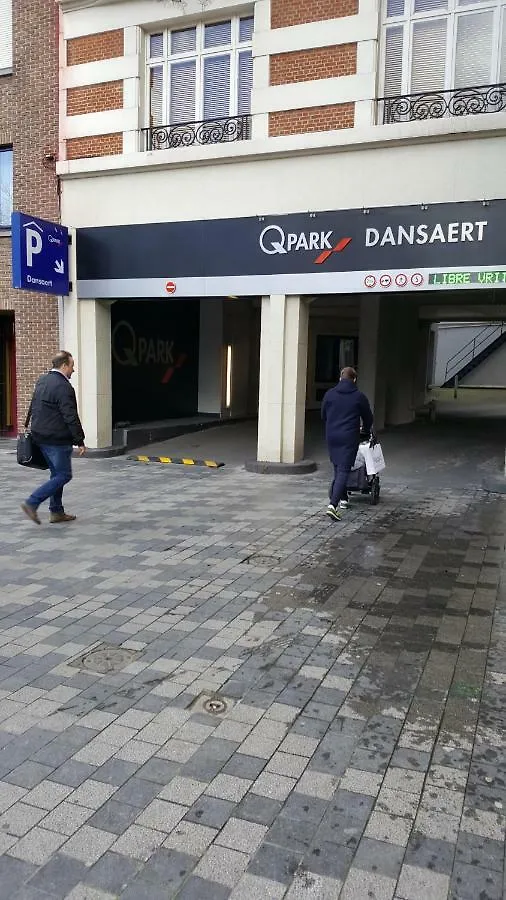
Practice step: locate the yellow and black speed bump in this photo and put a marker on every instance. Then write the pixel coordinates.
(171, 460)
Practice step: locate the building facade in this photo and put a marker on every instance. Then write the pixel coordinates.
(29, 60)
(263, 192)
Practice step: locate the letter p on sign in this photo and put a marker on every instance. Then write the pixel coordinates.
(33, 245)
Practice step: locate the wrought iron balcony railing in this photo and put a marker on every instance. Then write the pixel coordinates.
(186, 134)
(468, 101)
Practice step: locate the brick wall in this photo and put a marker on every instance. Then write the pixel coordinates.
(95, 145)
(297, 12)
(93, 47)
(317, 118)
(29, 121)
(311, 65)
(94, 98)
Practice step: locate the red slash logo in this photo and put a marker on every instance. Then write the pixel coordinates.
(340, 246)
(180, 361)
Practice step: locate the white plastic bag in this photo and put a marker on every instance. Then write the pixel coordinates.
(374, 460)
(359, 460)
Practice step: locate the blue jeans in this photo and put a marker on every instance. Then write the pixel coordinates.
(59, 460)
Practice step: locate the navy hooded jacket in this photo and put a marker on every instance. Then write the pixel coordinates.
(344, 407)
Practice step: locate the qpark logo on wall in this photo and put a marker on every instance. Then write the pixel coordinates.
(274, 240)
(132, 350)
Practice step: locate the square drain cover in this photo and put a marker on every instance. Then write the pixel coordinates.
(105, 658)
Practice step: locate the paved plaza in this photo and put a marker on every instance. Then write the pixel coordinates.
(360, 749)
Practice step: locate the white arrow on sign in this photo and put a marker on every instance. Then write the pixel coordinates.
(59, 267)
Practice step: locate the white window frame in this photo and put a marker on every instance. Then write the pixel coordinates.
(7, 190)
(234, 48)
(5, 37)
(452, 12)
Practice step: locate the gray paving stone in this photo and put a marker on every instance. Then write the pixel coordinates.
(210, 811)
(196, 888)
(112, 873)
(275, 863)
(474, 850)
(167, 868)
(58, 876)
(29, 774)
(379, 856)
(328, 859)
(470, 882)
(14, 873)
(114, 817)
(137, 792)
(258, 809)
(160, 771)
(244, 766)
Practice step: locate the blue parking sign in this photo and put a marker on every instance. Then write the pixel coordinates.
(40, 255)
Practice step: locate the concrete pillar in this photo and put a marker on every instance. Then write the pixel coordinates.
(371, 355)
(283, 372)
(87, 329)
(403, 353)
(95, 372)
(423, 373)
(211, 356)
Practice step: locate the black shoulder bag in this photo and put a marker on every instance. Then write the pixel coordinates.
(28, 454)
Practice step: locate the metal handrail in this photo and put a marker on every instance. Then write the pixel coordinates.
(205, 132)
(468, 352)
(463, 101)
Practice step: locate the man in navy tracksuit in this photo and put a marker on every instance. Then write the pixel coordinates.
(344, 408)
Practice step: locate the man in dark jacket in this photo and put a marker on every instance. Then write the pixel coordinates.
(344, 407)
(55, 428)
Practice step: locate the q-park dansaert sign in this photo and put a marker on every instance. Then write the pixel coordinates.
(40, 255)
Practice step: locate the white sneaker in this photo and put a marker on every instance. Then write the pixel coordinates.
(344, 504)
(333, 512)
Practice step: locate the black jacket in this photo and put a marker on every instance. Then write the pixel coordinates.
(343, 408)
(54, 412)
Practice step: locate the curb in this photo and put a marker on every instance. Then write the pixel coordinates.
(304, 467)
(170, 460)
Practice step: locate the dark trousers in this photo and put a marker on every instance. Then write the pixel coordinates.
(338, 487)
(59, 460)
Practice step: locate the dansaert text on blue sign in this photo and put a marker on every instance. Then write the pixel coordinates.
(40, 255)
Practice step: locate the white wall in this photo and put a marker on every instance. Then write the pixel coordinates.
(490, 373)
(451, 337)
(345, 178)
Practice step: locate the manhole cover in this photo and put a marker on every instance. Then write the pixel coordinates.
(262, 560)
(105, 659)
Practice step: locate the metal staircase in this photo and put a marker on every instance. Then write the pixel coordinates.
(474, 353)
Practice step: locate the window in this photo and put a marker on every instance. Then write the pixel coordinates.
(5, 36)
(200, 73)
(5, 187)
(438, 45)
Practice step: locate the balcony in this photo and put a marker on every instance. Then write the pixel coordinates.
(188, 134)
(468, 101)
